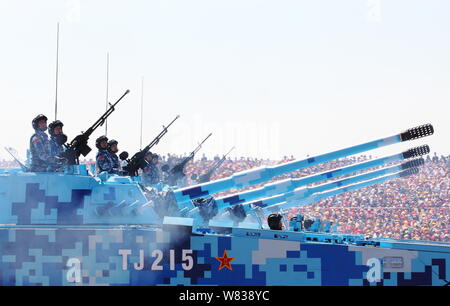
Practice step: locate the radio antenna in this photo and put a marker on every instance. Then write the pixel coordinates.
(57, 71)
(142, 110)
(107, 91)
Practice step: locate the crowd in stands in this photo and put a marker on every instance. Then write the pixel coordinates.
(7, 164)
(416, 207)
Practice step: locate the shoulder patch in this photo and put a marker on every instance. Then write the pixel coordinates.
(101, 157)
(36, 139)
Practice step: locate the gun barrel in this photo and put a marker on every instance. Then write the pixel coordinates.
(160, 135)
(200, 145)
(259, 175)
(291, 184)
(303, 193)
(176, 118)
(105, 116)
(79, 145)
(220, 162)
(178, 169)
(318, 197)
(216, 166)
(229, 152)
(137, 161)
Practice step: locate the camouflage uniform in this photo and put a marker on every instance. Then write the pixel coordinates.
(114, 163)
(56, 151)
(40, 150)
(103, 161)
(150, 175)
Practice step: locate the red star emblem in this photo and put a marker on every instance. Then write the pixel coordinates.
(225, 261)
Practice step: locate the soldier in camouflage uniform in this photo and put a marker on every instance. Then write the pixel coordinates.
(112, 150)
(103, 160)
(150, 174)
(40, 146)
(57, 140)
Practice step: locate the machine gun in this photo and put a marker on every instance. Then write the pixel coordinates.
(138, 160)
(177, 171)
(79, 145)
(207, 176)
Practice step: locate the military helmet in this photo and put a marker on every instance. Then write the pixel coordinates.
(37, 119)
(112, 142)
(274, 221)
(99, 140)
(52, 126)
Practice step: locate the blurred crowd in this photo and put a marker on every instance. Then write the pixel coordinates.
(416, 207)
(7, 164)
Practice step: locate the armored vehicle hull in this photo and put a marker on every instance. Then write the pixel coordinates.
(175, 255)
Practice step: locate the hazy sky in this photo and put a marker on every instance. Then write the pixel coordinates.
(272, 77)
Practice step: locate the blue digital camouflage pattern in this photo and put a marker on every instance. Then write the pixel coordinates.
(114, 163)
(40, 151)
(65, 235)
(149, 256)
(55, 148)
(150, 174)
(55, 151)
(75, 229)
(103, 161)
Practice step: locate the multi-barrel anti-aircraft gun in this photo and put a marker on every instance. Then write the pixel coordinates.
(121, 199)
(199, 203)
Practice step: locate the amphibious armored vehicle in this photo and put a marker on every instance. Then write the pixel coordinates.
(73, 228)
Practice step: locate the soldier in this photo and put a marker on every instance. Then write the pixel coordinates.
(150, 173)
(40, 146)
(275, 222)
(112, 150)
(57, 140)
(103, 160)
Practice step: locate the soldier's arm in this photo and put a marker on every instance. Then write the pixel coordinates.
(41, 150)
(104, 163)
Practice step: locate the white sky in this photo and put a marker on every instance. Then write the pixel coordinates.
(272, 77)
